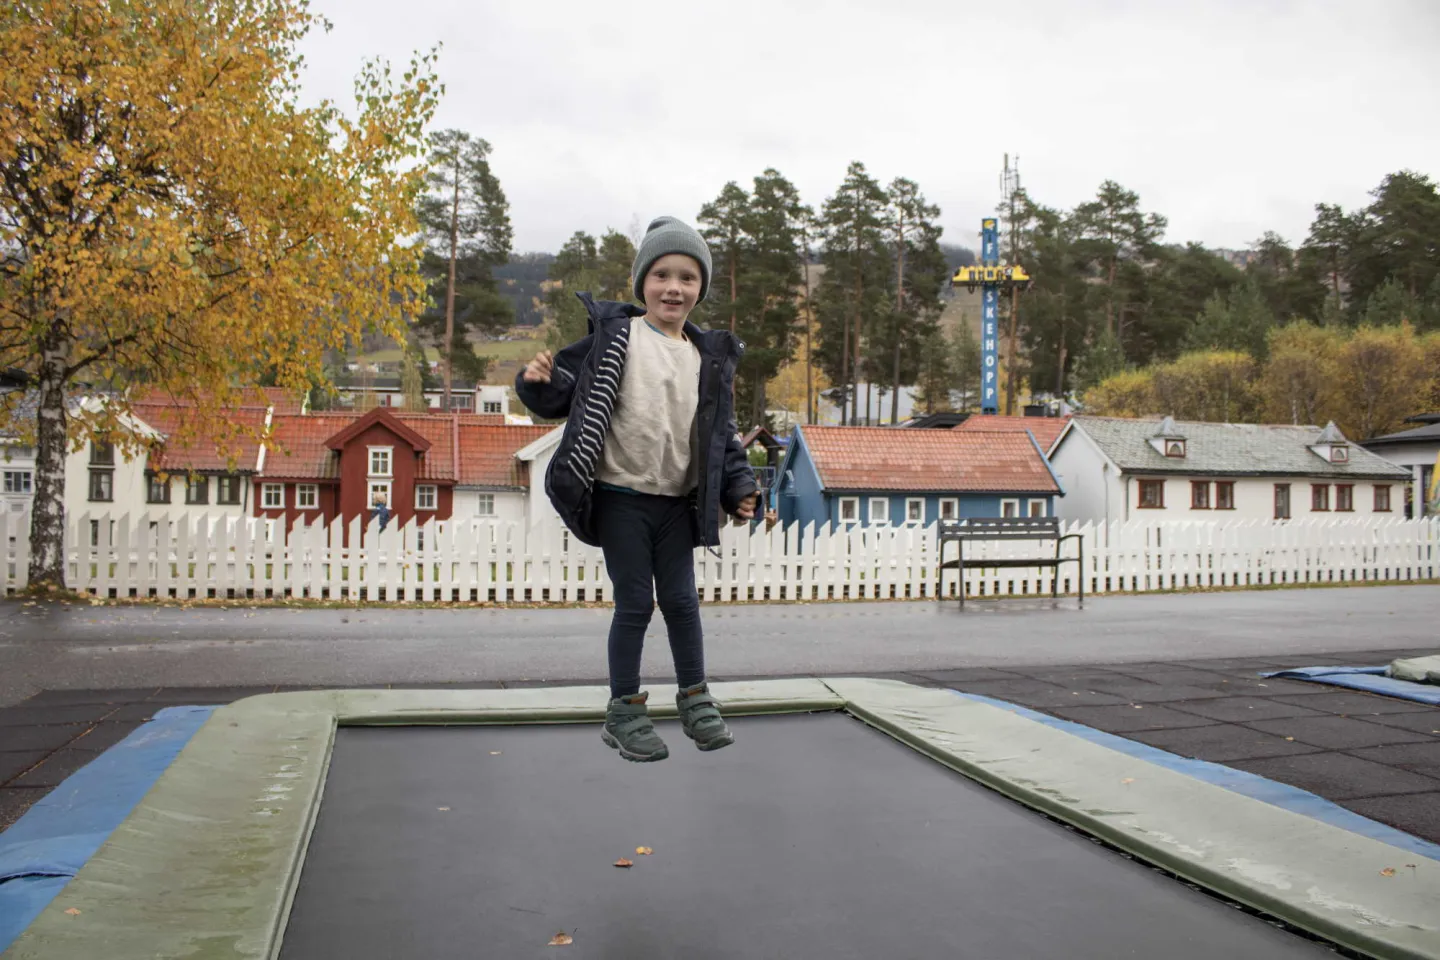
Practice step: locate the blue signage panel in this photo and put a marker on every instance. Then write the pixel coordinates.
(990, 352)
(990, 321)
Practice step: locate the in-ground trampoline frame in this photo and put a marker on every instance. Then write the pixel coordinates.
(208, 864)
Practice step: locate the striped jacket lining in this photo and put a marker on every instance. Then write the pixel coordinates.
(599, 407)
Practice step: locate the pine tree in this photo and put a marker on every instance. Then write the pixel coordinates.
(854, 294)
(913, 239)
(601, 268)
(1115, 235)
(466, 221)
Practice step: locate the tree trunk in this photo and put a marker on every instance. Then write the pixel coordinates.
(809, 322)
(450, 289)
(1110, 300)
(899, 318)
(47, 517)
(734, 294)
(845, 372)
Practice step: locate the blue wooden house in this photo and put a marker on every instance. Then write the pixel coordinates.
(881, 475)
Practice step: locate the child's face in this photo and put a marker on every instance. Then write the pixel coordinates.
(672, 287)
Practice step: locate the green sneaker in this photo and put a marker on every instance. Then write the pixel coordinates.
(629, 730)
(700, 717)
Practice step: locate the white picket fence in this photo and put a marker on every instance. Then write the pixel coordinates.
(480, 561)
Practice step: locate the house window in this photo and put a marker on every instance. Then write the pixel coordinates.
(307, 496)
(1036, 508)
(157, 490)
(102, 486)
(425, 496)
(1152, 494)
(1339, 454)
(849, 509)
(18, 481)
(272, 496)
(380, 461)
(950, 509)
(1319, 497)
(197, 490)
(915, 510)
(1282, 501)
(492, 406)
(485, 505)
(1175, 448)
(1009, 508)
(380, 490)
(1344, 498)
(1199, 495)
(1225, 495)
(1382, 499)
(879, 510)
(102, 454)
(227, 490)
(462, 401)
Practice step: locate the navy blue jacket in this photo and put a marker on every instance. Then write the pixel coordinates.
(584, 384)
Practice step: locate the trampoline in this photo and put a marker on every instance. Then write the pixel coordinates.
(853, 818)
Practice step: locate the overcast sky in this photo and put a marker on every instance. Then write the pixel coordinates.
(1229, 118)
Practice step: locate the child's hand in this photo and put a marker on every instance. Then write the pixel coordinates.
(538, 370)
(746, 510)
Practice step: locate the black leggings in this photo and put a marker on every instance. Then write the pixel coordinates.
(650, 555)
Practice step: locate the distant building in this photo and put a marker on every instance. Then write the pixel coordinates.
(1418, 451)
(465, 396)
(1116, 469)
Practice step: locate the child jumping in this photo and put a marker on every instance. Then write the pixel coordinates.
(649, 458)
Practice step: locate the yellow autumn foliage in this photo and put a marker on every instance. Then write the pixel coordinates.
(175, 218)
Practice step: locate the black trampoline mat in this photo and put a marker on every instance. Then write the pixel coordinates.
(812, 836)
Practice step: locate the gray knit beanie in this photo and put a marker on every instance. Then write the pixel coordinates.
(667, 235)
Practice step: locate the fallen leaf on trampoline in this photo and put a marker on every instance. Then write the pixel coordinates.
(1388, 872)
(443, 809)
(644, 851)
(622, 862)
(495, 753)
(1290, 738)
(1128, 780)
(561, 939)
(73, 912)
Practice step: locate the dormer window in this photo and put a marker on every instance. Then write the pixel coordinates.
(1340, 454)
(1331, 445)
(1175, 448)
(1168, 440)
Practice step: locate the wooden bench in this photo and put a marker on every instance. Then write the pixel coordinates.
(1007, 529)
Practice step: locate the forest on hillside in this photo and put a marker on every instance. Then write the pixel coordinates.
(1339, 324)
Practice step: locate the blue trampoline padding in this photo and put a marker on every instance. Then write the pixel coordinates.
(1369, 679)
(1256, 787)
(47, 846)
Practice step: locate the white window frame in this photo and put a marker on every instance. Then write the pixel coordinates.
(19, 481)
(953, 511)
(266, 489)
(1030, 509)
(912, 502)
(884, 503)
(433, 490)
(313, 489)
(484, 501)
(854, 504)
(389, 453)
(383, 485)
(1013, 504)
(494, 406)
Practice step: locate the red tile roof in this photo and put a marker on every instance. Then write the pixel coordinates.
(1046, 429)
(196, 442)
(487, 446)
(487, 454)
(297, 447)
(940, 461)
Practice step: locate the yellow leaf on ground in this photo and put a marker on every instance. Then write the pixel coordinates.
(1128, 780)
(1290, 738)
(494, 753)
(622, 862)
(561, 939)
(1388, 872)
(73, 912)
(644, 851)
(443, 809)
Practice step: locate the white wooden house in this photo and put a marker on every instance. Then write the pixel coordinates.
(1417, 450)
(1116, 469)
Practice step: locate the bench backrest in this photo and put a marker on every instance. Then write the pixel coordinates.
(1000, 528)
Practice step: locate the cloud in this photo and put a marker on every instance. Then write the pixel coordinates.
(1229, 118)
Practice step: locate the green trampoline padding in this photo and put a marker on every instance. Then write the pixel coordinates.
(207, 865)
